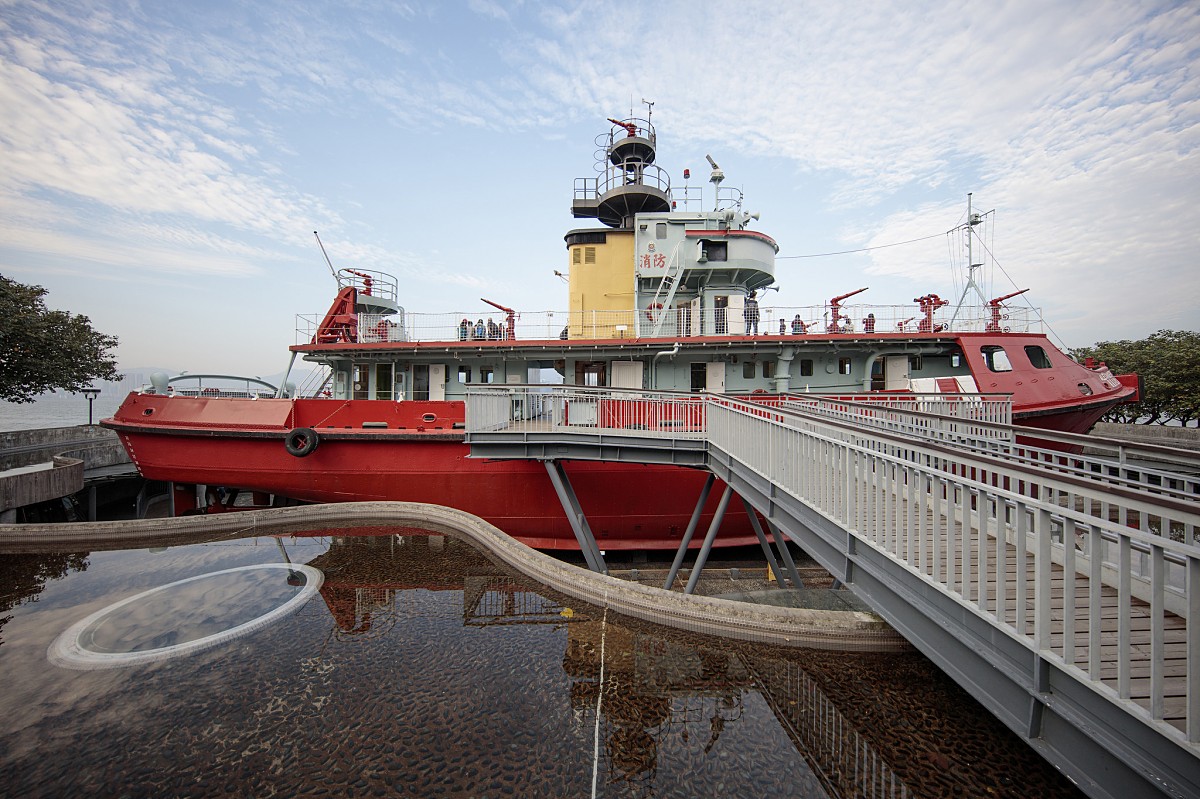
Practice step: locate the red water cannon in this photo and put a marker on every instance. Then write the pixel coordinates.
(993, 325)
(367, 281)
(835, 304)
(928, 304)
(510, 318)
(630, 127)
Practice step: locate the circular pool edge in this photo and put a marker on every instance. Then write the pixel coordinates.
(67, 652)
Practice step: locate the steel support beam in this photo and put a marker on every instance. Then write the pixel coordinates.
(693, 523)
(765, 544)
(708, 540)
(575, 515)
(785, 555)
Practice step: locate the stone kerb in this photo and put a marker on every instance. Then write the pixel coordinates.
(789, 627)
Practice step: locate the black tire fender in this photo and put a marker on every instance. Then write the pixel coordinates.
(301, 441)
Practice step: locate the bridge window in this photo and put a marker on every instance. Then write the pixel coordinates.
(806, 367)
(1038, 357)
(748, 370)
(844, 365)
(464, 374)
(996, 358)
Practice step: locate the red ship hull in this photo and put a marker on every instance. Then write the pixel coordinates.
(628, 506)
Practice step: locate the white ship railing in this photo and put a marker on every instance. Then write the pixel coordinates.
(677, 322)
(953, 516)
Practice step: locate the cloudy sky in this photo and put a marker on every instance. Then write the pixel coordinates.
(165, 164)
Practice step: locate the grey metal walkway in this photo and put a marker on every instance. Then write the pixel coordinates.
(1063, 592)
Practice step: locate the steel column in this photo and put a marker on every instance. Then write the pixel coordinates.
(693, 523)
(575, 515)
(708, 540)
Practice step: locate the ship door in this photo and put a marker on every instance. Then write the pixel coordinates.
(437, 381)
(383, 381)
(895, 373)
(715, 377)
(591, 373)
(627, 374)
(420, 381)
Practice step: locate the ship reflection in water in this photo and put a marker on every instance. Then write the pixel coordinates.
(428, 671)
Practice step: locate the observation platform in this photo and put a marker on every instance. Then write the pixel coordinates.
(1061, 590)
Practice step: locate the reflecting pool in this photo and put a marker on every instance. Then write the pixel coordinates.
(389, 662)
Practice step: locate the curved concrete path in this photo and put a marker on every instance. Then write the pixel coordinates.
(791, 627)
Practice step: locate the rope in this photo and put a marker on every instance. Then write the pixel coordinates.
(861, 249)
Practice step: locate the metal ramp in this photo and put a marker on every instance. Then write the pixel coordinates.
(1064, 597)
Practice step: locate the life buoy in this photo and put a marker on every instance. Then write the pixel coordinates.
(652, 309)
(301, 441)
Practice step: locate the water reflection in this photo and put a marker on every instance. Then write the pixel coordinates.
(426, 670)
(23, 577)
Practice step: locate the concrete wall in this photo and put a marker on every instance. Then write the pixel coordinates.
(1162, 435)
(30, 485)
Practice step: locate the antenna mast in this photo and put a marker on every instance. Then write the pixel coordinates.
(973, 219)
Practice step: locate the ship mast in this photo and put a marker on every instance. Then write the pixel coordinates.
(973, 219)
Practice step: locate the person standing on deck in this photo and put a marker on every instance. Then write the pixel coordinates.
(750, 312)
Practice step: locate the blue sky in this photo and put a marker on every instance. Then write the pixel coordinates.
(165, 164)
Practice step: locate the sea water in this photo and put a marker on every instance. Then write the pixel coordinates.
(421, 669)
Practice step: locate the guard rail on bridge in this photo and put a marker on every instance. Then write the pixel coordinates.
(1063, 591)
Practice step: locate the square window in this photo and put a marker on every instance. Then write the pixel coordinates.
(806, 367)
(464, 374)
(748, 370)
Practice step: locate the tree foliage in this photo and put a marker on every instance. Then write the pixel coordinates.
(42, 350)
(1169, 364)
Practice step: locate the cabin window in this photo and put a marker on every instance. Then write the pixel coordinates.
(464, 374)
(714, 250)
(383, 381)
(660, 230)
(748, 370)
(806, 367)
(487, 374)
(996, 358)
(589, 255)
(1037, 357)
(768, 369)
(955, 360)
(915, 363)
(362, 384)
(844, 366)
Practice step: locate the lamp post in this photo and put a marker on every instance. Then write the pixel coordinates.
(91, 392)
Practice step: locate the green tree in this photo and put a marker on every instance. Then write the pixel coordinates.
(41, 349)
(1169, 364)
